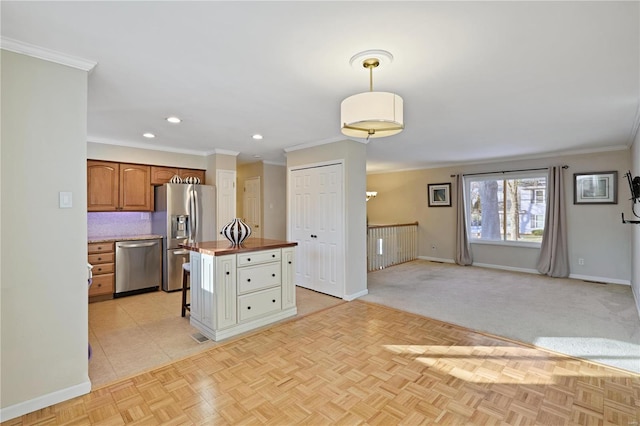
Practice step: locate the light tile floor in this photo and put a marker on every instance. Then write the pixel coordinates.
(134, 334)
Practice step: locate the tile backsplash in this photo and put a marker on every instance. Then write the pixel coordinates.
(124, 224)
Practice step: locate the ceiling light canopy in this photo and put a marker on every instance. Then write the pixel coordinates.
(372, 114)
(149, 135)
(174, 120)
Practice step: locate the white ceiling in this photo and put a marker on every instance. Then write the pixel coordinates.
(481, 81)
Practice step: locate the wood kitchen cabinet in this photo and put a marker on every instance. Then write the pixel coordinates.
(160, 175)
(102, 258)
(118, 187)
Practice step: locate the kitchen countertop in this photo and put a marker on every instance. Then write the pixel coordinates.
(123, 238)
(223, 247)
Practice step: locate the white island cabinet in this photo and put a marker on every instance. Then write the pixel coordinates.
(237, 289)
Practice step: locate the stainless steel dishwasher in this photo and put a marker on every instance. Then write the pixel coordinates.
(138, 266)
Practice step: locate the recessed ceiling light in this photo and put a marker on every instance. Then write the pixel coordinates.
(257, 156)
(174, 120)
(149, 135)
(257, 136)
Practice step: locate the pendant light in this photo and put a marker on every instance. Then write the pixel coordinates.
(372, 114)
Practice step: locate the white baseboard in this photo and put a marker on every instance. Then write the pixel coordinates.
(350, 297)
(436, 259)
(600, 279)
(507, 268)
(26, 407)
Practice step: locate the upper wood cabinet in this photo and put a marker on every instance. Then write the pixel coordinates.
(135, 188)
(102, 185)
(160, 175)
(118, 187)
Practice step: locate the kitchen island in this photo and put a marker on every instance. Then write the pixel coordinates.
(235, 289)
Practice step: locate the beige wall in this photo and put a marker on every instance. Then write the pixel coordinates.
(274, 201)
(124, 154)
(246, 171)
(635, 229)
(273, 179)
(354, 156)
(43, 287)
(595, 231)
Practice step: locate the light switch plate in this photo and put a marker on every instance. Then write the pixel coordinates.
(66, 200)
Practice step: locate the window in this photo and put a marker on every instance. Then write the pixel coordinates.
(506, 207)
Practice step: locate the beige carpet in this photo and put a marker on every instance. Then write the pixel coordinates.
(593, 321)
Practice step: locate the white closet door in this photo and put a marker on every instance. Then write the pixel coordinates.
(301, 225)
(317, 226)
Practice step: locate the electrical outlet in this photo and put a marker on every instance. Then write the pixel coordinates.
(580, 261)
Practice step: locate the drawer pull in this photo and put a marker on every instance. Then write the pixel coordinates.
(273, 255)
(99, 269)
(99, 285)
(273, 275)
(273, 300)
(248, 259)
(248, 280)
(99, 258)
(248, 307)
(227, 272)
(289, 262)
(99, 247)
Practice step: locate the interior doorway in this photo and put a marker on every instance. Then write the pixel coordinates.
(251, 202)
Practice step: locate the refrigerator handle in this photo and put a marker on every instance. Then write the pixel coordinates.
(196, 213)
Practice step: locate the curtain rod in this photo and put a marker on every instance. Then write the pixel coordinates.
(508, 171)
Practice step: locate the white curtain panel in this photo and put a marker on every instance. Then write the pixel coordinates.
(463, 248)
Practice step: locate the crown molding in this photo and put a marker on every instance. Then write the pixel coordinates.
(506, 159)
(23, 48)
(222, 151)
(323, 142)
(147, 146)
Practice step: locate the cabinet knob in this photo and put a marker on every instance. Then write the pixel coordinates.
(289, 262)
(99, 258)
(248, 280)
(248, 259)
(227, 272)
(99, 269)
(273, 275)
(99, 248)
(99, 285)
(273, 255)
(273, 300)
(248, 307)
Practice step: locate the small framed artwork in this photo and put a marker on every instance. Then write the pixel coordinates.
(439, 194)
(595, 188)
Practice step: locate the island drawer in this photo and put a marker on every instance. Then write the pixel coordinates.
(257, 277)
(101, 284)
(100, 247)
(255, 257)
(95, 259)
(259, 303)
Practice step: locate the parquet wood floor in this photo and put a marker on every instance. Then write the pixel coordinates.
(360, 363)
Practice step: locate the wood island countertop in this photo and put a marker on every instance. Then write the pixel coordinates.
(224, 247)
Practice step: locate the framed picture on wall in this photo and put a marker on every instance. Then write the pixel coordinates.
(595, 188)
(439, 194)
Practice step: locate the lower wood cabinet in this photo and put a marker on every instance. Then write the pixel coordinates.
(102, 258)
(234, 293)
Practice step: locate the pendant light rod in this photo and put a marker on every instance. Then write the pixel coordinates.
(370, 64)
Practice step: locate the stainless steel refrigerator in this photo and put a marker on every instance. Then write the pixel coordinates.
(183, 212)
